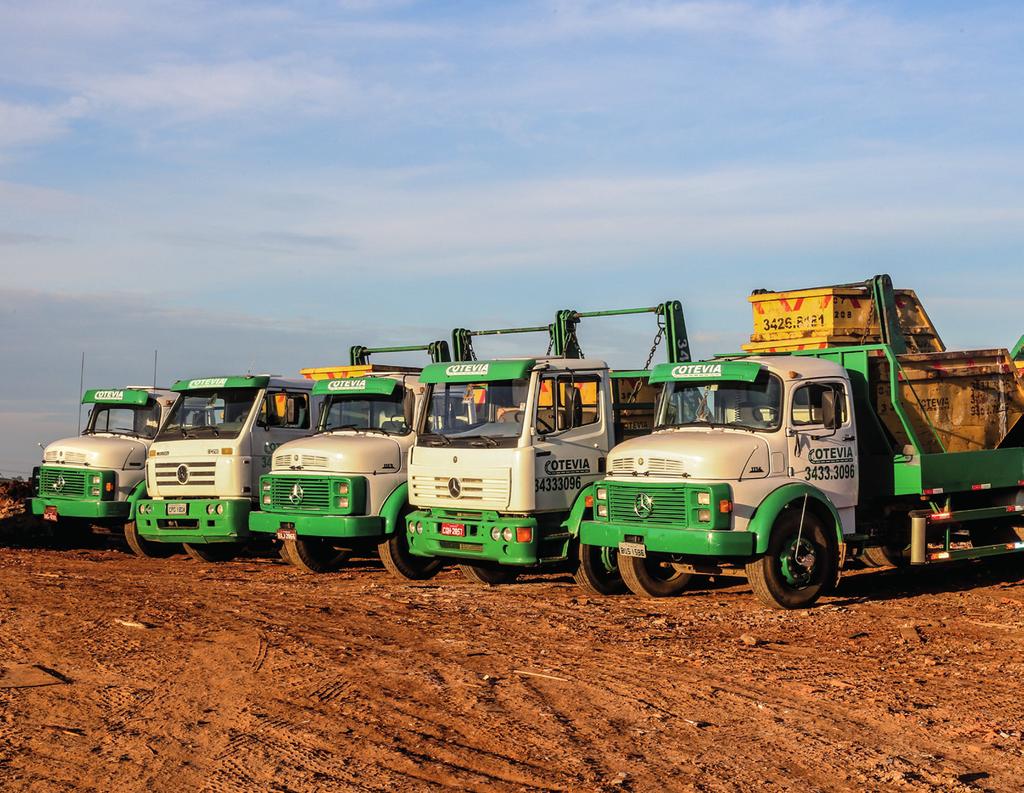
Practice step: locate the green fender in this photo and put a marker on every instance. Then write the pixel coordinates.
(578, 512)
(393, 507)
(138, 493)
(769, 509)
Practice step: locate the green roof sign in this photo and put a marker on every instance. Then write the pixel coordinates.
(706, 371)
(477, 371)
(246, 381)
(115, 396)
(379, 386)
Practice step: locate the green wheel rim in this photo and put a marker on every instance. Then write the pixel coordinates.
(799, 561)
(609, 560)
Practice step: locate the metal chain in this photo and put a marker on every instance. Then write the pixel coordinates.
(632, 397)
(551, 343)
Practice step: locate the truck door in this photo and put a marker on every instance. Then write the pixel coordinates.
(285, 416)
(571, 436)
(824, 455)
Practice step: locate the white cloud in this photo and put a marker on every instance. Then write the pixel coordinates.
(194, 90)
(29, 124)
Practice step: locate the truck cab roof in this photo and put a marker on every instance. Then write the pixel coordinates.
(126, 395)
(746, 368)
(502, 368)
(244, 381)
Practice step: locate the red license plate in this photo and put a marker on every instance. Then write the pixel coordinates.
(287, 534)
(50, 513)
(453, 529)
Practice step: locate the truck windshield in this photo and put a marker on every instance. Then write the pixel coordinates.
(753, 406)
(380, 412)
(142, 421)
(210, 413)
(476, 414)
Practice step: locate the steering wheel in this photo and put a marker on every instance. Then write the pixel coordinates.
(511, 416)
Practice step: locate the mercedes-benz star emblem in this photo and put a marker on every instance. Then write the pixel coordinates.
(643, 505)
(58, 483)
(455, 487)
(296, 495)
(182, 474)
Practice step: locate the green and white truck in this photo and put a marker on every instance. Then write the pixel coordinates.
(204, 466)
(507, 448)
(344, 488)
(97, 477)
(776, 466)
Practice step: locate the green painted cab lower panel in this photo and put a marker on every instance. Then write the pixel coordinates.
(340, 526)
(477, 544)
(196, 526)
(694, 542)
(78, 508)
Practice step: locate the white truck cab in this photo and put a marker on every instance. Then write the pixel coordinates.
(97, 476)
(345, 488)
(504, 450)
(204, 467)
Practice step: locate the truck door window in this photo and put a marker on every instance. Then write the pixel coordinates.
(807, 399)
(286, 410)
(566, 402)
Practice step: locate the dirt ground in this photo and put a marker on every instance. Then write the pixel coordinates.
(132, 674)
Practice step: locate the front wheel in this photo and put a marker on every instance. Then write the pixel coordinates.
(313, 555)
(491, 576)
(146, 548)
(800, 565)
(213, 552)
(652, 577)
(598, 570)
(400, 562)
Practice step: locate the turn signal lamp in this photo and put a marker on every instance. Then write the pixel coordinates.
(524, 534)
(109, 487)
(152, 452)
(588, 501)
(725, 505)
(227, 450)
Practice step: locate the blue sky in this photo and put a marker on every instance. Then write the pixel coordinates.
(261, 185)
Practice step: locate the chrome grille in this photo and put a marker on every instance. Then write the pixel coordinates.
(312, 461)
(201, 472)
(477, 492)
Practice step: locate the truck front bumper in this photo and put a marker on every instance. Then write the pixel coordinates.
(690, 542)
(73, 508)
(337, 526)
(477, 544)
(198, 525)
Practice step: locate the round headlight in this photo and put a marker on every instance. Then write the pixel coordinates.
(209, 509)
(220, 509)
(506, 534)
(419, 528)
(495, 533)
(412, 527)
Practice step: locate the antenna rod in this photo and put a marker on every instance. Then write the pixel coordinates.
(81, 385)
(154, 367)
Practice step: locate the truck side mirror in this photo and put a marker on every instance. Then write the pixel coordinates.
(829, 416)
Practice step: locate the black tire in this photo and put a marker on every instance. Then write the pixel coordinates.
(783, 580)
(145, 548)
(652, 577)
(397, 560)
(884, 556)
(313, 555)
(213, 552)
(598, 570)
(491, 576)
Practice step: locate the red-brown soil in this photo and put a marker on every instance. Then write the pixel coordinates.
(176, 676)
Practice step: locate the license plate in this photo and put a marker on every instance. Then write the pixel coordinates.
(177, 509)
(453, 529)
(636, 549)
(287, 534)
(49, 513)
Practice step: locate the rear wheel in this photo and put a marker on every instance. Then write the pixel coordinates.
(652, 577)
(400, 562)
(143, 547)
(598, 570)
(800, 564)
(492, 576)
(313, 554)
(213, 552)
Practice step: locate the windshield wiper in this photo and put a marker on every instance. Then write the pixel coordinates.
(486, 439)
(444, 440)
